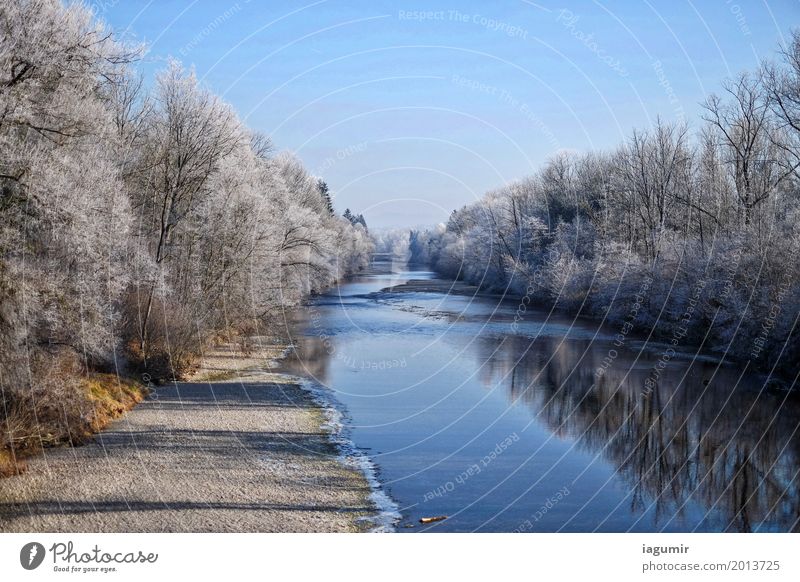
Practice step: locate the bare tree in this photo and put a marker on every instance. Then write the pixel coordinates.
(747, 137)
(783, 88)
(190, 133)
(653, 168)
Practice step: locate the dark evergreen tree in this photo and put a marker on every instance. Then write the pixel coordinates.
(325, 193)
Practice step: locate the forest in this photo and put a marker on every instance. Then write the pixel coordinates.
(684, 234)
(141, 221)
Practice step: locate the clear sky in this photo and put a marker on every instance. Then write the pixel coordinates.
(411, 109)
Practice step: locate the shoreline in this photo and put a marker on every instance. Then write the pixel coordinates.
(333, 423)
(779, 380)
(237, 448)
(388, 512)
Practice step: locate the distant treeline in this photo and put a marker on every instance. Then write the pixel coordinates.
(695, 237)
(140, 221)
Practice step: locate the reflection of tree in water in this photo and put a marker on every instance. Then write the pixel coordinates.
(309, 358)
(694, 438)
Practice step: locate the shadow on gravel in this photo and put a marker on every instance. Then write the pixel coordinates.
(194, 447)
(222, 442)
(81, 507)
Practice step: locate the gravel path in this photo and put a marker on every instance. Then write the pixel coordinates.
(241, 455)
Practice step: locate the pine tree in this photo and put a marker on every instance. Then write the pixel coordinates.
(325, 193)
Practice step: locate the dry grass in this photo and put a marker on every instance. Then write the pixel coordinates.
(67, 412)
(68, 406)
(10, 465)
(112, 397)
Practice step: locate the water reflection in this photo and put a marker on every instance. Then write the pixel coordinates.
(697, 446)
(700, 435)
(309, 358)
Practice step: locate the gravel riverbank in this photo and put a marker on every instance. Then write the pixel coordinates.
(243, 454)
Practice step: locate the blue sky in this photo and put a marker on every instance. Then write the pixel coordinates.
(411, 109)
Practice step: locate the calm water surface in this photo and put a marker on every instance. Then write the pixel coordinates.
(505, 430)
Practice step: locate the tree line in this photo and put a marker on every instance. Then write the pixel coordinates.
(140, 221)
(691, 235)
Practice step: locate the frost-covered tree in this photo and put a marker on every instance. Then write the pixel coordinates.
(666, 212)
(138, 224)
(65, 222)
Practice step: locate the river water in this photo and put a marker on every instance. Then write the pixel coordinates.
(545, 425)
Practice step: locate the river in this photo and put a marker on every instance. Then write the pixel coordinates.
(545, 424)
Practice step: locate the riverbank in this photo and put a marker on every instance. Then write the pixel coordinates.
(68, 411)
(774, 378)
(235, 449)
